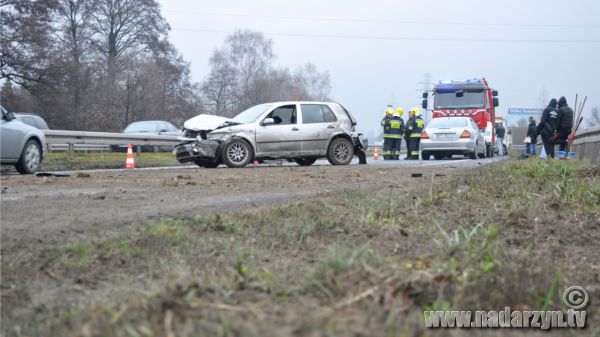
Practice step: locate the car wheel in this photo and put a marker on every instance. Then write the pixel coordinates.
(340, 152)
(425, 155)
(237, 153)
(473, 155)
(438, 156)
(305, 161)
(30, 159)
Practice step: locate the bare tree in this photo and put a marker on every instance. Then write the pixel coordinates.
(126, 28)
(543, 99)
(26, 41)
(219, 87)
(595, 117)
(315, 85)
(242, 75)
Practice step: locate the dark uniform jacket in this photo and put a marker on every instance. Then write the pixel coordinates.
(532, 132)
(414, 127)
(385, 122)
(396, 127)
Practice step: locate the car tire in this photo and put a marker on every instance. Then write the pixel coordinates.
(473, 155)
(340, 152)
(31, 158)
(425, 155)
(438, 156)
(305, 161)
(236, 153)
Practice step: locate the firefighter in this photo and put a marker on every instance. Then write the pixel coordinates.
(397, 129)
(387, 136)
(414, 128)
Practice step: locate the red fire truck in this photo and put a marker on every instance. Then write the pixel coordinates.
(474, 98)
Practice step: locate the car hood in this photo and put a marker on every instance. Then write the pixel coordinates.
(206, 122)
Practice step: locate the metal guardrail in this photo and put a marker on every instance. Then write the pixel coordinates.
(587, 144)
(90, 140)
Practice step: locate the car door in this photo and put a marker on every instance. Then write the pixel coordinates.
(11, 139)
(280, 139)
(318, 125)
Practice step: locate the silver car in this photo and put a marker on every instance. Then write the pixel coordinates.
(447, 136)
(21, 144)
(301, 131)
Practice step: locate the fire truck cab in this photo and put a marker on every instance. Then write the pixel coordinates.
(474, 98)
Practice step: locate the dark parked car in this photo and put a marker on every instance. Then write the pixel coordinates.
(162, 128)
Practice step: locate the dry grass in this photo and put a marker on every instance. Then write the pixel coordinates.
(354, 263)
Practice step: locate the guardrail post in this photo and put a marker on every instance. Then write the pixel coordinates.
(71, 150)
(139, 151)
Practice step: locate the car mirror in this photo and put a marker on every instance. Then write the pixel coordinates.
(494, 93)
(8, 116)
(424, 104)
(425, 94)
(268, 121)
(496, 102)
(163, 130)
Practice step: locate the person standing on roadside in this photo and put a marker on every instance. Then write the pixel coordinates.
(565, 119)
(500, 131)
(387, 135)
(548, 126)
(532, 134)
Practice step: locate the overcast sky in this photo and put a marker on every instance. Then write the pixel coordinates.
(377, 52)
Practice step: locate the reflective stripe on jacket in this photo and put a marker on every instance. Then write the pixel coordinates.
(415, 127)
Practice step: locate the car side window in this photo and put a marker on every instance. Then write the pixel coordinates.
(29, 121)
(329, 115)
(283, 115)
(41, 123)
(312, 113)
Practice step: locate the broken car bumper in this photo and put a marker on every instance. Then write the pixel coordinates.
(197, 149)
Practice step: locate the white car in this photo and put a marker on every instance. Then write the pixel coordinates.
(444, 137)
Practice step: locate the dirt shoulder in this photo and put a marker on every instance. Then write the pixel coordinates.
(68, 209)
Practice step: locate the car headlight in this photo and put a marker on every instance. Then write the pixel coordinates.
(216, 135)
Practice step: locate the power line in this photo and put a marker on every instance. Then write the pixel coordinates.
(412, 22)
(399, 38)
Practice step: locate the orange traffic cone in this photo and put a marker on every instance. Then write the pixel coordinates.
(129, 164)
(376, 153)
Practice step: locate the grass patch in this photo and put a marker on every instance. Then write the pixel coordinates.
(104, 160)
(351, 263)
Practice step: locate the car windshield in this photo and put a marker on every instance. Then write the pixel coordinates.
(148, 126)
(451, 122)
(459, 99)
(252, 114)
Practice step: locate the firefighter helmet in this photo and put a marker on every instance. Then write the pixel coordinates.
(399, 112)
(389, 112)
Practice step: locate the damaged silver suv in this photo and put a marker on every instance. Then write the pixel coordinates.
(301, 131)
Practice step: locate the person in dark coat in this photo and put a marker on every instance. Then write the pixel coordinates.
(565, 118)
(532, 134)
(548, 126)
